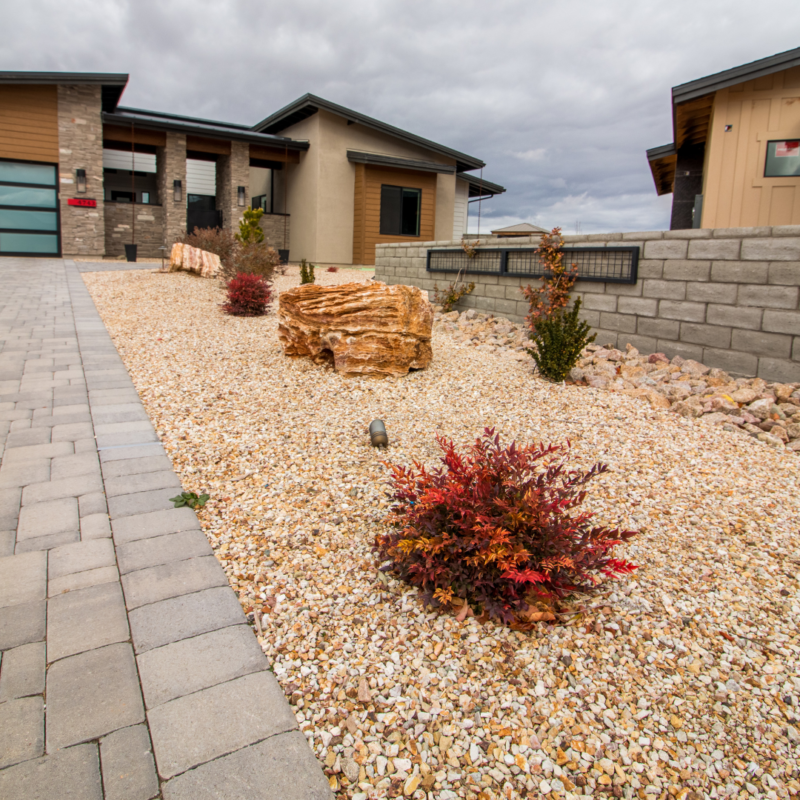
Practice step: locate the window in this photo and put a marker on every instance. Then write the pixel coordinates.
(400, 211)
(783, 159)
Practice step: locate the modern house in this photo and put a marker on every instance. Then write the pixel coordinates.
(82, 175)
(735, 157)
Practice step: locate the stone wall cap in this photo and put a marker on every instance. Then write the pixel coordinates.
(740, 233)
(689, 233)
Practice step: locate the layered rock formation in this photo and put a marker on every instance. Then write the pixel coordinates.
(361, 328)
(185, 258)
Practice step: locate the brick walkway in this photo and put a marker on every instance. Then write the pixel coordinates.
(127, 669)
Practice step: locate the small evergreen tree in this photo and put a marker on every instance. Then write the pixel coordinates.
(559, 338)
(306, 272)
(249, 230)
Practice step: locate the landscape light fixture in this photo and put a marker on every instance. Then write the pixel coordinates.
(240, 190)
(377, 433)
(177, 191)
(80, 180)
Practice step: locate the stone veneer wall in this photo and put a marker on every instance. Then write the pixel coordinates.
(276, 228)
(233, 171)
(149, 229)
(80, 146)
(171, 167)
(728, 298)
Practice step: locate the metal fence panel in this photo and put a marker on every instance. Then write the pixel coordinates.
(599, 264)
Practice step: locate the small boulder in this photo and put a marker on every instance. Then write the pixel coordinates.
(744, 395)
(657, 358)
(185, 258)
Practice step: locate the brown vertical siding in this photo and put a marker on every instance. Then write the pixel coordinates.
(736, 193)
(29, 123)
(367, 221)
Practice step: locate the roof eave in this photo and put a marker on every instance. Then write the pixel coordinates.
(239, 135)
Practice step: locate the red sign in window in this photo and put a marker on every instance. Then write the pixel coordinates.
(789, 149)
(82, 202)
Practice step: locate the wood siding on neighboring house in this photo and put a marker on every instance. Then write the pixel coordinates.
(736, 193)
(29, 123)
(367, 208)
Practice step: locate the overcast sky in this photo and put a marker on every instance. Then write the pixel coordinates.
(560, 99)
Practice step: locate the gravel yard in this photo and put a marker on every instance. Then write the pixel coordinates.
(681, 680)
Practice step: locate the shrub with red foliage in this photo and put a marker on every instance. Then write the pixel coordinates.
(332, 269)
(248, 295)
(497, 528)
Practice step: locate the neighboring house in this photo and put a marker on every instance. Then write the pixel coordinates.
(332, 182)
(735, 157)
(520, 229)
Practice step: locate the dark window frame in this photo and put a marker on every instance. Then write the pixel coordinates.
(385, 227)
(57, 208)
(766, 158)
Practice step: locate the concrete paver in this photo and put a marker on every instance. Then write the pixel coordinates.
(145, 553)
(200, 727)
(23, 670)
(92, 694)
(190, 665)
(22, 624)
(23, 578)
(85, 619)
(172, 580)
(280, 768)
(84, 496)
(21, 730)
(72, 774)
(129, 772)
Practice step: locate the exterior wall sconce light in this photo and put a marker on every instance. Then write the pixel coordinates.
(728, 128)
(80, 181)
(177, 191)
(377, 433)
(241, 194)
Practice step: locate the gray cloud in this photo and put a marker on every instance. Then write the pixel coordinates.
(560, 99)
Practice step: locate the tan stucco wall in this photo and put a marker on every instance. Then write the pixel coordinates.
(322, 187)
(736, 193)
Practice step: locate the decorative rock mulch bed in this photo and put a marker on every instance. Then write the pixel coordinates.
(680, 681)
(768, 412)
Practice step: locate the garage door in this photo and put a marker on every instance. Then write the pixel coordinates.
(28, 209)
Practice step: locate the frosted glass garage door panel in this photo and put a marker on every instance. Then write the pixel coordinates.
(19, 172)
(28, 220)
(119, 159)
(201, 177)
(27, 196)
(29, 243)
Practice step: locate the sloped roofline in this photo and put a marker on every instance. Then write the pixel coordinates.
(731, 77)
(112, 83)
(309, 104)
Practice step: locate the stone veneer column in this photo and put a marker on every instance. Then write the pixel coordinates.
(171, 167)
(233, 171)
(80, 145)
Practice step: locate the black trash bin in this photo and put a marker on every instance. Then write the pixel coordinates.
(130, 252)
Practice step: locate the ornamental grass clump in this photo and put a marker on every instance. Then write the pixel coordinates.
(248, 296)
(496, 531)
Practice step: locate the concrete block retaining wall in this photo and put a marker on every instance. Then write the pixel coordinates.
(729, 298)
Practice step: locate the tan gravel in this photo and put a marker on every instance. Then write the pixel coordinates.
(681, 680)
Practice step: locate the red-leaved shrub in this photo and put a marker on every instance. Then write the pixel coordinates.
(332, 269)
(248, 295)
(497, 529)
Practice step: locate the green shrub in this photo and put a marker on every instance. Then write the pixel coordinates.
(249, 230)
(559, 338)
(451, 295)
(306, 272)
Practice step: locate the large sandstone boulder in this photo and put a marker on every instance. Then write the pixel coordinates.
(361, 328)
(185, 258)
